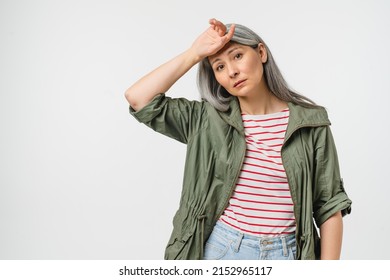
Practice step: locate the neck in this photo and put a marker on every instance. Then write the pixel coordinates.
(261, 104)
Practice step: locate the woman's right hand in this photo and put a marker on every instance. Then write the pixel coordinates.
(162, 78)
(212, 40)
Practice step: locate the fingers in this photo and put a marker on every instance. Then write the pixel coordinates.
(230, 34)
(213, 21)
(221, 29)
(218, 26)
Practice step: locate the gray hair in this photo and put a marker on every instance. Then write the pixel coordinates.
(219, 97)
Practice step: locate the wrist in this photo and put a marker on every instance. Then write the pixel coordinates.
(193, 56)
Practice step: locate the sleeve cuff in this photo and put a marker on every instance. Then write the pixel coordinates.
(150, 111)
(340, 202)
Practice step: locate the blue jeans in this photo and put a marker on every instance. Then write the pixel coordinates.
(226, 243)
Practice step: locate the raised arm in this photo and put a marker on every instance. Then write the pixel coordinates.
(162, 78)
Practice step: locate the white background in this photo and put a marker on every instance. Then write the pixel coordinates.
(81, 179)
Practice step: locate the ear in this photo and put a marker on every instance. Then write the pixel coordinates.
(263, 52)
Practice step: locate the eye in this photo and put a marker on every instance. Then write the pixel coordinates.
(219, 67)
(238, 56)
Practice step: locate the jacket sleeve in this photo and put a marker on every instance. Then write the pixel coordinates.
(329, 195)
(177, 118)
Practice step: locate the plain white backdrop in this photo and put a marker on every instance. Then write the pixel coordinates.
(81, 179)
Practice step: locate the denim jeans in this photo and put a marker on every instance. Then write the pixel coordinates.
(226, 243)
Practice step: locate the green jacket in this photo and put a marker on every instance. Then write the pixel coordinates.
(215, 153)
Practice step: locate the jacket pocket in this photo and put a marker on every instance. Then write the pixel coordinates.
(309, 247)
(176, 248)
(219, 168)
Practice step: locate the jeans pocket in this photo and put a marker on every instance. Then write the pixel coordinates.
(292, 252)
(216, 247)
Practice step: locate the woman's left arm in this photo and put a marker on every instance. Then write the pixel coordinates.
(330, 201)
(331, 232)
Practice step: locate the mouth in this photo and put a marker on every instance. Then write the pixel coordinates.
(237, 84)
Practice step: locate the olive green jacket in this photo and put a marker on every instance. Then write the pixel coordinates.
(215, 153)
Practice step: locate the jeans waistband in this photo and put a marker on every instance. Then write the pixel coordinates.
(264, 241)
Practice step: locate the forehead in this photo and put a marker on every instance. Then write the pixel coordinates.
(225, 50)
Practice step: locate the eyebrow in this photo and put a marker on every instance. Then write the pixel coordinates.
(229, 52)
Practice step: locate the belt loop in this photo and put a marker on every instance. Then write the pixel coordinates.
(236, 247)
(284, 244)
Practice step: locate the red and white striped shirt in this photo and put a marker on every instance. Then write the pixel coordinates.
(261, 203)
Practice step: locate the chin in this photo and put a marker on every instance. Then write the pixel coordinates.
(242, 94)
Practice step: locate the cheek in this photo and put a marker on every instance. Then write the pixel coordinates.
(221, 80)
(257, 70)
(253, 65)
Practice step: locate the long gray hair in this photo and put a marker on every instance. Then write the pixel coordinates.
(219, 97)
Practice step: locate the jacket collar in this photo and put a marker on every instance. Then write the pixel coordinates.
(299, 117)
(305, 117)
(233, 115)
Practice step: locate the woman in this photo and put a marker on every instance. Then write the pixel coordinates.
(261, 162)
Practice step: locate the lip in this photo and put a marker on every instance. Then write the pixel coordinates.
(237, 84)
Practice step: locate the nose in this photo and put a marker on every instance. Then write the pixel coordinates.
(233, 71)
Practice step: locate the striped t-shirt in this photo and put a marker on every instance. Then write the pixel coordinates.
(261, 203)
